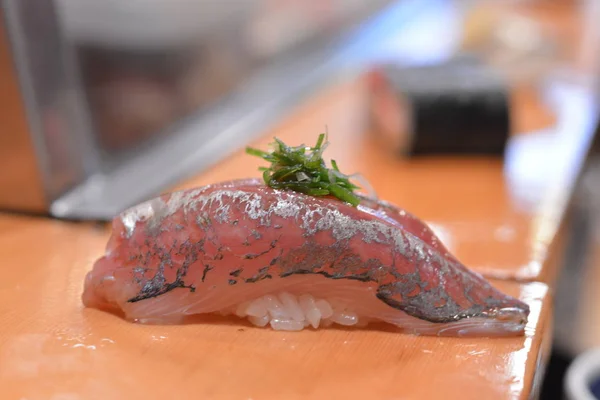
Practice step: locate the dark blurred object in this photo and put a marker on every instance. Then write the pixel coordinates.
(135, 95)
(553, 387)
(459, 107)
(582, 381)
(41, 145)
(167, 61)
(110, 102)
(577, 321)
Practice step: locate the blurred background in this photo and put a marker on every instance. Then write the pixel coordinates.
(105, 103)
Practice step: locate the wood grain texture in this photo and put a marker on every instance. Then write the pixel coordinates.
(53, 348)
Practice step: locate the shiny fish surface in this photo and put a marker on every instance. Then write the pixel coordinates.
(212, 249)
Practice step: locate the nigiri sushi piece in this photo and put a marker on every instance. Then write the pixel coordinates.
(291, 261)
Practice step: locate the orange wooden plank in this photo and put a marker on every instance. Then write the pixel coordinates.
(53, 348)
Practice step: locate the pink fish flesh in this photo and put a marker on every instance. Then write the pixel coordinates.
(291, 260)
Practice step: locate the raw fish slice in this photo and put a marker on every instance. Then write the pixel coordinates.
(211, 249)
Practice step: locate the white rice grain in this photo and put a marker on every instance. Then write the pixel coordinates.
(259, 321)
(287, 312)
(290, 303)
(275, 308)
(346, 318)
(242, 310)
(257, 308)
(286, 325)
(324, 308)
(312, 313)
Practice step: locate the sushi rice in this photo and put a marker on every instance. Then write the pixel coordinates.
(288, 312)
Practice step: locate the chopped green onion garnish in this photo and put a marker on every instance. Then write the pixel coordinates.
(334, 165)
(303, 170)
(320, 141)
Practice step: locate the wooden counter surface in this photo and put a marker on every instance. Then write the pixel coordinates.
(51, 348)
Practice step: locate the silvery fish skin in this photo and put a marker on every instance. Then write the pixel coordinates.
(206, 250)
